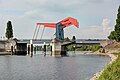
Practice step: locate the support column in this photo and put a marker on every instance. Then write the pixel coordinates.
(56, 48)
(31, 48)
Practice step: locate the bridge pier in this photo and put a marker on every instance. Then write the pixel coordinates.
(57, 49)
(31, 48)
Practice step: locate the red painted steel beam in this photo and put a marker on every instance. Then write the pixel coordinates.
(52, 25)
(66, 22)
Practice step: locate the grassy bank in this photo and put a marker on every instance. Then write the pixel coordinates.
(112, 71)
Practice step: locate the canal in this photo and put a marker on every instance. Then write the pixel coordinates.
(77, 66)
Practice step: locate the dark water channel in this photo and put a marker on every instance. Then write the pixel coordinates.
(75, 67)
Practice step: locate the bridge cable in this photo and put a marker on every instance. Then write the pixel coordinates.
(37, 32)
(42, 33)
(34, 32)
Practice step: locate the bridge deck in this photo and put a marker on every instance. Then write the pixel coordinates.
(78, 41)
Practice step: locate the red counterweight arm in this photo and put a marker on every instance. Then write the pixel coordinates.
(69, 21)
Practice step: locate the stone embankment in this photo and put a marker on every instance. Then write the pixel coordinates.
(5, 53)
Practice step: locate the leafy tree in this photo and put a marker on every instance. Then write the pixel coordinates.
(115, 35)
(67, 39)
(9, 30)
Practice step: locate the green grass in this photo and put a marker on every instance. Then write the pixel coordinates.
(112, 71)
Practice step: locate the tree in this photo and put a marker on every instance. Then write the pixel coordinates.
(73, 38)
(115, 35)
(67, 39)
(9, 30)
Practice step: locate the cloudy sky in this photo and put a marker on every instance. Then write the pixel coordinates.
(96, 17)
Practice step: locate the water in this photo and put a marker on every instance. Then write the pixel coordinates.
(74, 67)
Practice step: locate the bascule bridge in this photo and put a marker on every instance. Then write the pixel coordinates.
(58, 43)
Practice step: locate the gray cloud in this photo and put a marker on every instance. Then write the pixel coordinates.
(96, 1)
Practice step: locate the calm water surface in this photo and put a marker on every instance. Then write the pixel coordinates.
(75, 67)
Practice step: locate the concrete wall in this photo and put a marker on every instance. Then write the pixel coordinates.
(13, 46)
(8, 45)
(2, 46)
(21, 47)
(105, 43)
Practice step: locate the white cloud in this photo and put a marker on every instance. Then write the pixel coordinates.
(106, 27)
(97, 31)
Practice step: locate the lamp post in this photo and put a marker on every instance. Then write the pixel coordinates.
(74, 48)
(44, 49)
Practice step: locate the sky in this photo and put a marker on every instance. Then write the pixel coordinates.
(96, 17)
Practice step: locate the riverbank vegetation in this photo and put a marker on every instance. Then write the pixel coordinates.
(112, 71)
(92, 48)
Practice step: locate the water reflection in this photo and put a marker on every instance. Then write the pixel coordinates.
(75, 67)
